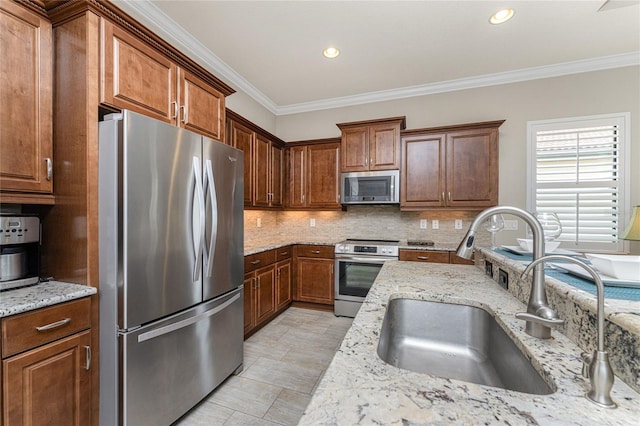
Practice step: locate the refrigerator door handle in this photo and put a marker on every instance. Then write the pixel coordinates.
(198, 234)
(186, 322)
(209, 254)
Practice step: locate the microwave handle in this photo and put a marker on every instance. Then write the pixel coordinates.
(393, 186)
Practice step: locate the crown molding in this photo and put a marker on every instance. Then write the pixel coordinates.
(147, 13)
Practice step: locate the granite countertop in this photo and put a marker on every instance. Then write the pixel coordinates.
(258, 246)
(44, 294)
(359, 388)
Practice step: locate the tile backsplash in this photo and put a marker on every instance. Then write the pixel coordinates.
(383, 222)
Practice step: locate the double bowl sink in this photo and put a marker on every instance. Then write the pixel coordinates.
(459, 342)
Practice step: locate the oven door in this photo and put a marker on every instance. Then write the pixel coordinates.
(355, 275)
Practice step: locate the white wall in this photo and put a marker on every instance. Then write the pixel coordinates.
(244, 105)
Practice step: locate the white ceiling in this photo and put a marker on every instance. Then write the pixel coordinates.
(390, 49)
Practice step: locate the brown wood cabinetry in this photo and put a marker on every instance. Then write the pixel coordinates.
(450, 167)
(263, 162)
(138, 77)
(314, 279)
(267, 286)
(26, 151)
(314, 177)
(432, 256)
(371, 145)
(46, 366)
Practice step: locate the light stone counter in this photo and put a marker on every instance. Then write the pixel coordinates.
(41, 295)
(258, 246)
(360, 388)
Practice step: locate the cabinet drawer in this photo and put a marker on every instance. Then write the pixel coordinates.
(258, 260)
(454, 258)
(35, 328)
(325, 252)
(432, 256)
(284, 253)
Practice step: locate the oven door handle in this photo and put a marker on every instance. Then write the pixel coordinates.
(376, 260)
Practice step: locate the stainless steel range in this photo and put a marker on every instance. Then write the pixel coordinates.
(357, 264)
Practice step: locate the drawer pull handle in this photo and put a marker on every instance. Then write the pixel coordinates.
(255, 262)
(87, 352)
(284, 253)
(423, 257)
(315, 251)
(54, 325)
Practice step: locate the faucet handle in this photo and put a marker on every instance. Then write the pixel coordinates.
(586, 363)
(549, 322)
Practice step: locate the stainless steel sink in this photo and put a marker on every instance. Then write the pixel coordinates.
(458, 342)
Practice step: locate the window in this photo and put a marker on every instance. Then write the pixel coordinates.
(578, 169)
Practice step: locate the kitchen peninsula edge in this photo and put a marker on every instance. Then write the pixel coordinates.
(360, 388)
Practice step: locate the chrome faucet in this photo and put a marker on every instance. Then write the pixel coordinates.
(595, 367)
(540, 317)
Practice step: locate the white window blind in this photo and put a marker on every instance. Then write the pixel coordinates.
(577, 170)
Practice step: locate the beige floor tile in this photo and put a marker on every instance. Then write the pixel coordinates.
(288, 407)
(310, 357)
(248, 396)
(241, 419)
(205, 414)
(285, 374)
(265, 349)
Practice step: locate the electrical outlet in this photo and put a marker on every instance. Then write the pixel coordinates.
(510, 225)
(435, 224)
(259, 222)
(458, 224)
(312, 222)
(503, 278)
(423, 223)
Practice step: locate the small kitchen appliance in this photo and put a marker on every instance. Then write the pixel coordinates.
(357, 264)
(377, 187)
(19, 251)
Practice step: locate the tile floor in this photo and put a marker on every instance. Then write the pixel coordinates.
(283, 363)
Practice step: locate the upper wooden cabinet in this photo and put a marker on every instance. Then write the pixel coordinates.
(26, 151)
(450, 167)
(371, 145)
(138, 77)
(263, 162)
(314, 177)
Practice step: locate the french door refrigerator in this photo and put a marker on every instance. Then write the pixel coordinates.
(171, 268)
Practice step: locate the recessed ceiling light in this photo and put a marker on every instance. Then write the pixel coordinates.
(501, 16)
(330, 52)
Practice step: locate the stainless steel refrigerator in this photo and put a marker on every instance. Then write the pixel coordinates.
(171, 268)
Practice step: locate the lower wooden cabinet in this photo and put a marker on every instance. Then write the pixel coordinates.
(46, 371)
(314, 274)
(267, 286)
(432, 256)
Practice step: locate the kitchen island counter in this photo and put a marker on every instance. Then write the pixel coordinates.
(360, 388)
(41, 295)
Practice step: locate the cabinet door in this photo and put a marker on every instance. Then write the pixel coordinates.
(277, 163)
(314, 280)
(355, 149)
(249, 303)
(26, 96)
(201, 106)
(472, 168)
(423, 174)
(323, 176)
(297, 177)
(384, 146)
(261, 170)
(283, 284)
(49, 384)
(265, 293)
(242, 138)
(136, 77)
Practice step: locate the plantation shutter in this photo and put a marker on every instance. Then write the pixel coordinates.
(577, 175)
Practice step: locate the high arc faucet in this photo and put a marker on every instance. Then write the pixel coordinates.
(540, 317)
(596, 367)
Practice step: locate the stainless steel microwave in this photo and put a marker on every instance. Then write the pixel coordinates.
(379, 187)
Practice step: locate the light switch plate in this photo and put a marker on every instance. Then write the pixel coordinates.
(510, 225)
(423, 223)
(435, 224)
(458, 224)
(312, 222)
(259, 222)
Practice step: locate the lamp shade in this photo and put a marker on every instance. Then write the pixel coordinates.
(633, 230)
